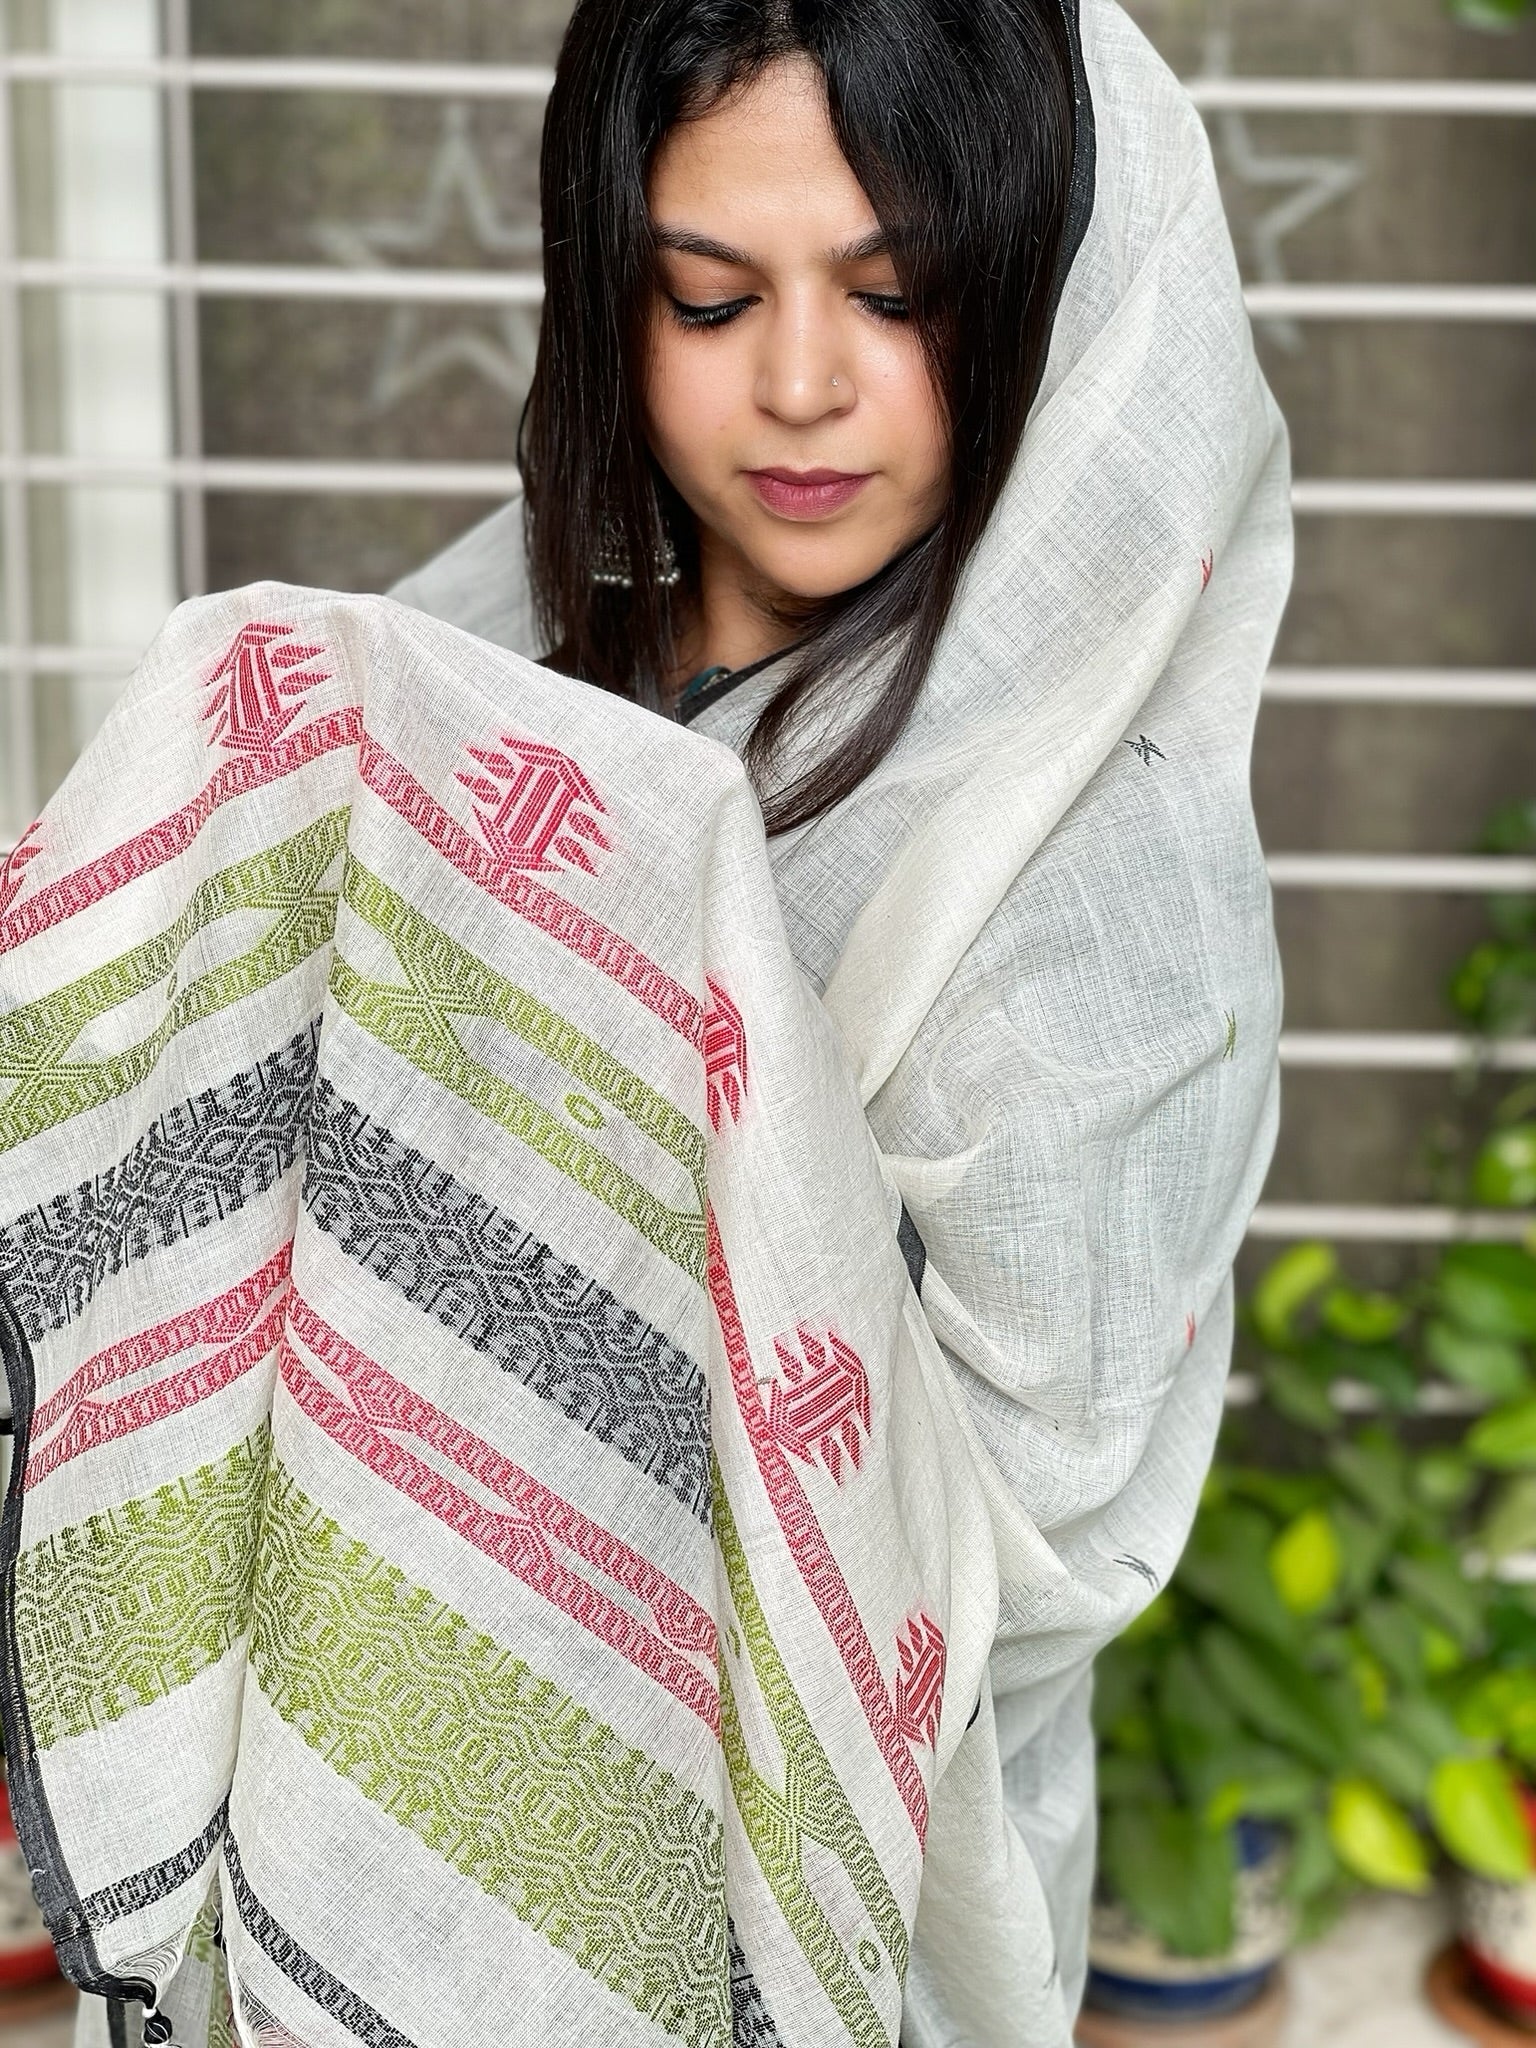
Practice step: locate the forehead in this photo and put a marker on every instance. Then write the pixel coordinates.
(763, 161)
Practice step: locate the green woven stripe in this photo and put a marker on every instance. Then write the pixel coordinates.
(35, 1040)
(812, 1805)
(444, 980)
(117, 1611)
(515, 1784)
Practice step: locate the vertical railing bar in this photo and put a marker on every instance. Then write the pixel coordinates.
(15, 552)
(186, 342)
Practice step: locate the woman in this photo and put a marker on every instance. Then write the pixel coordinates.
(998, 699)
(995, 683)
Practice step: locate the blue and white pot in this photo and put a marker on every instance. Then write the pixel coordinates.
(1131, 1973)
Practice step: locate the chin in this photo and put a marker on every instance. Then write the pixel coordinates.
(816, 567)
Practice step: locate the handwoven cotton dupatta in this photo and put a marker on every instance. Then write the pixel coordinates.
(492, 1546)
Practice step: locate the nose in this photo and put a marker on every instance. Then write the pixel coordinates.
(802, 353)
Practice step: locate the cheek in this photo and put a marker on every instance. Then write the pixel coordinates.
(691, 398)
(895, 378)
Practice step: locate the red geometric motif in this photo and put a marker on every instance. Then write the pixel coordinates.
(920, 1681)
(546, 809)
(247, 703)
(14, 862)
(1189, 1331)
(725, 1055)
(825, 1407)
(1207, 564)
(235, 1331)
(808, 1545)
(531, 1531)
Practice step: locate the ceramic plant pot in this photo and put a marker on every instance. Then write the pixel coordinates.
(26, 1953)
(1131, 1973)
(1497, 1926)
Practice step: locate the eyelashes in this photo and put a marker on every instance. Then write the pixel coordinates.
(884, 306)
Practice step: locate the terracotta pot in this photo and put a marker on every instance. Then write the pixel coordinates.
(1497, 1925)
(26, 1953)
(1131, 1973)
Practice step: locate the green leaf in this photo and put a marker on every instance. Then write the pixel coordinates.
(1305, 1562)
(1251, 1781)
(1370, 1682)
(1155, 1619)
(1395, 1765)
(1175, 1876)
(1476, 1810)
(1374, 1467)
(1443, 1478)
(1506, 1438)
(1363, 1547)
(1121, 1675)
(1489, 1288)
(1314, 1867)
(1286, 1285)
(1132, 1781)
(1498, 1706)
(1387, 1368)
(1362, 1317)
(1194, 1720)
(1489, 1365)
(1437, 1586)
(1509, 1525)
(1504, 1171)
(1374, 1837)
(1498, 15)
(1429, 1726)
(1275, 1695)
(1226, 1565)
(1298, 1391)
(1394, 1633)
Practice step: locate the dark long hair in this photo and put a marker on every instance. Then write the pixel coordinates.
(957, 118)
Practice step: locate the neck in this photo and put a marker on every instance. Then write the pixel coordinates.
(733, 624)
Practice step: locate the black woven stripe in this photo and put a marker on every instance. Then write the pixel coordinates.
(117, 1901)
(751, 2022)
(301, 1968)
(505, 1293)
(201, 1161)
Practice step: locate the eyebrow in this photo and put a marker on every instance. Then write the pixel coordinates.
(689, 243)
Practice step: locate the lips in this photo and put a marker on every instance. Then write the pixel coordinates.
(806, 493)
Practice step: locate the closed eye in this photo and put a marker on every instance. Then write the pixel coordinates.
(707, 316)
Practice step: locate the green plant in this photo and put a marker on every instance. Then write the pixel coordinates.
(1339, 1651)
(1494, 14)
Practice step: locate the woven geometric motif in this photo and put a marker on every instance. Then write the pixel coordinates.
(283, 884)
(117, 1612)
(920, 1680)
(725, 1055)
(26, 848)
(196, 1164)
(506, 1776)
(820, 1409)
(536, 807)
(502, 1290)
(247, 704)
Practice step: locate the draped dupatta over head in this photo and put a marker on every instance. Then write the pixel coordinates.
(587, 1384)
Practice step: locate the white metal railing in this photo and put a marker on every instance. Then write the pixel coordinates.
(1504, 304)
(1361, 1223)
(530, 81)
(1413, 498)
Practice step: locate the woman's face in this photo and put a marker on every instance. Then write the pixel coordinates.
(799, 359)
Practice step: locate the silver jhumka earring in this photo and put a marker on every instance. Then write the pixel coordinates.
(612, 564)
